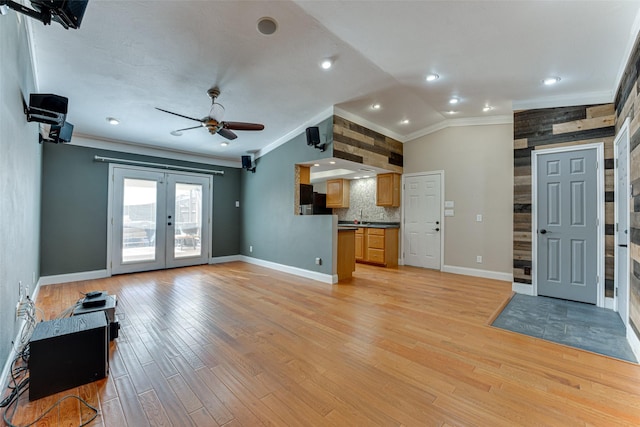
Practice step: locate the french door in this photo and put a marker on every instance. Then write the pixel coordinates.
(158, 219)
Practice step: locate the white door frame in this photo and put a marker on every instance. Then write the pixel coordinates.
(623, 131)
(110, 192)
(441, 210)
(599, 147)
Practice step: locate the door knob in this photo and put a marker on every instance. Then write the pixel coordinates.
(437, 222)
(169, 224)
(543, 231)
(437, 229)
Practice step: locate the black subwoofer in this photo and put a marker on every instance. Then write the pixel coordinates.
(68, 352)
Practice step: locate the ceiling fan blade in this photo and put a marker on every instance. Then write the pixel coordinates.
(194, 127)
(242, 126)
(226, 133)
(179, 115)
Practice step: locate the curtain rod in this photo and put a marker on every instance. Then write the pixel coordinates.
(157, 165)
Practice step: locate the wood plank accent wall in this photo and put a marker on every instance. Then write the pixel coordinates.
(551, 128)
(626, 103)
(359, 144)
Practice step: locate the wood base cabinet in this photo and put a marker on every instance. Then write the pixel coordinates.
(377, 246)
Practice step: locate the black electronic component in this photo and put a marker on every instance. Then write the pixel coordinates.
(68, 352)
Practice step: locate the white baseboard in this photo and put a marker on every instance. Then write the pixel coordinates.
(73, 277)
(314, 275)
(634, 341)
(522, 288)
(608, 303)
(507, 277)
(223, 259)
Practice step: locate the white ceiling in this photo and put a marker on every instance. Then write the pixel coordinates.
(131, 56)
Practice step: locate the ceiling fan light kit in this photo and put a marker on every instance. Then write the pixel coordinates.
(213, 122)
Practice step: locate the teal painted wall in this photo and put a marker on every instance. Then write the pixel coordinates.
(75, 203)
(268, 220)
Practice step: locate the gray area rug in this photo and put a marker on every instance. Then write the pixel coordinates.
(571, 323)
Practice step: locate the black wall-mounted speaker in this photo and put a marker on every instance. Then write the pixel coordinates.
(313, 136)
(47, 108)
(246, 162)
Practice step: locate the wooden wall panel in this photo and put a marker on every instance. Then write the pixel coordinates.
(626, 105)
(553, 128)
(359, 144)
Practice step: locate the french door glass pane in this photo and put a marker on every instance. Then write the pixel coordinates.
(188, 220)
(139, 220)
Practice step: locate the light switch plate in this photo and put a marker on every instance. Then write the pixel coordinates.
(479, 218)
(448, 212)
(448, 204)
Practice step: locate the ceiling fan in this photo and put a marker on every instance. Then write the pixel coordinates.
(213, 122)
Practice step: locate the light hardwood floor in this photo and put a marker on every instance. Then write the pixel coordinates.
(237, 344)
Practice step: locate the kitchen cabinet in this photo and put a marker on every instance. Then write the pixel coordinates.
(379, 246)
(346, 251)
(338, 193)
(359, 244)
(388, 189)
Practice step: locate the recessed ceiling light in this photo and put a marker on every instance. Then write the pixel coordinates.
(332, 162)
(487, 108)
(356, 177)
(452, 112)
(551, 80)
(405, 122)
(316, 164)
(376, 106)
(432, 77)
(366, 176)
(113, 121)
(224, 143)
(267, 26)
(454, 101)
(326, 64)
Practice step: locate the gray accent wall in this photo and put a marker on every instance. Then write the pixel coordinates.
(75, 202)
(268, 221)
(20, 160)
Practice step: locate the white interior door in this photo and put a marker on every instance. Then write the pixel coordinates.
(422, 222)
(622, 195)
(567, 222)
(159, 219)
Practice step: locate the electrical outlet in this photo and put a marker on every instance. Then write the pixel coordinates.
(479, 259)
(250, 248)
(318, 261)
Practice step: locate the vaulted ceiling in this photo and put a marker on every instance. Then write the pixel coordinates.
(129, 57)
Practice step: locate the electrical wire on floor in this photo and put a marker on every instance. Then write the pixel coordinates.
(19, 382)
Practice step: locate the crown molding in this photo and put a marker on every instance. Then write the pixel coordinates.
(369, 125)
(604, 97)
(628, 51)
(465, 121)
(295, 132)
(91, 141)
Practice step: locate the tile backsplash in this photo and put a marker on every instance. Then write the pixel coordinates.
(362, 204)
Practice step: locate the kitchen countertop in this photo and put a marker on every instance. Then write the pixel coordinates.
(345, 225)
